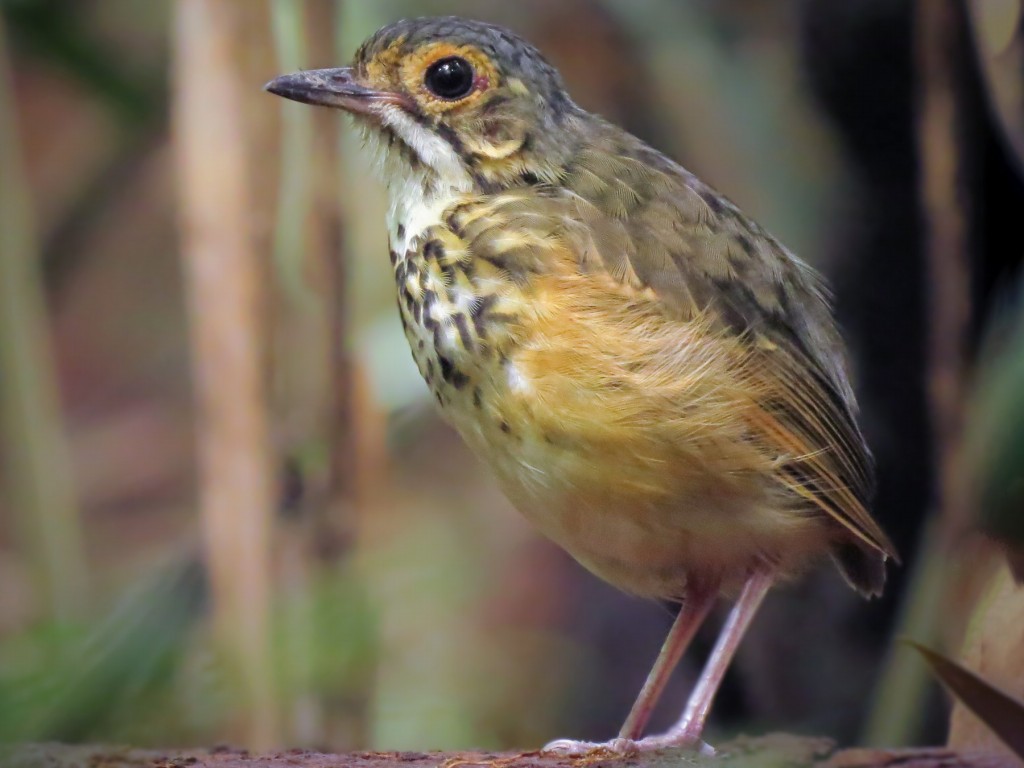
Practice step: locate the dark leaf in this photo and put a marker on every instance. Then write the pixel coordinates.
(1003, 714)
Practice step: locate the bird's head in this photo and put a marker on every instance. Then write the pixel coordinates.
(458, 103)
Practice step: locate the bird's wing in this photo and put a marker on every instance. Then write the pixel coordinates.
(661, 227)
(631, 213)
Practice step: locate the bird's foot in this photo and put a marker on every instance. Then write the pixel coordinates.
(573, 748)
(624, 747)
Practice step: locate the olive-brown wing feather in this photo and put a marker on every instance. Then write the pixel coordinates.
(658, 226)
(631, 213)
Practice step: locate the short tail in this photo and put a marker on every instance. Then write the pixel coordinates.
(862, 567)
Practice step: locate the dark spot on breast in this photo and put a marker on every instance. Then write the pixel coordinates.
(433, 250)
(463, 325)
(459, 380)
(505, 427)
(429, 300)
(483, 184)
(478, 313)
(482, 305)
(447, 368)
(478, 398)
(394, 257)
(400, 232)
(501, 317)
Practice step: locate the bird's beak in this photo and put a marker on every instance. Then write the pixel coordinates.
(333, 88)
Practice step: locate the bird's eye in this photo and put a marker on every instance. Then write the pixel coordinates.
(450, 78)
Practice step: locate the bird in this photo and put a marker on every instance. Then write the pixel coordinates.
(657, 383)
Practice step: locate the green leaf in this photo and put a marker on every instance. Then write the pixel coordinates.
(1003, 714)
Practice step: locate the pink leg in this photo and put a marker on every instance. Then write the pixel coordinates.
(692, 614)
(690, 726)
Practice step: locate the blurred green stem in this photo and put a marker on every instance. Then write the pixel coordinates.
(296, 141)
(897, 711)
(37, 471)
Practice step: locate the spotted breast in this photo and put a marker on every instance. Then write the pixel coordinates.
(456, 309)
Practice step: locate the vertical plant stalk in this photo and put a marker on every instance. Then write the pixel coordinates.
(300, 387)
(37, 469)
(941, 53)
(356, 448)
(293, 204)
(225, 282)
(357, 451)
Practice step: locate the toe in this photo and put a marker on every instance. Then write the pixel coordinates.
(675, 741)
(571, 748)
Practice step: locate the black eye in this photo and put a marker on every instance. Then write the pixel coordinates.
(450, 78)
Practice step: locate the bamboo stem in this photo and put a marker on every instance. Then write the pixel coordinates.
(226, 287)
(37, 471)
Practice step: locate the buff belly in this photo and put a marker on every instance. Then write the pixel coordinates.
(649, 524)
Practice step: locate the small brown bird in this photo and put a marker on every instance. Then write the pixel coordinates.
(656, 381)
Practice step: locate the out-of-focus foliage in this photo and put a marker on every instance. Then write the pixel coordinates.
(996, 434)
(115, 679)
(996, 447)
(146, 672)
(992, 652)
(999, 42)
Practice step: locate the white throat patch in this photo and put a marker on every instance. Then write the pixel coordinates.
(431, 149)
(417, 195)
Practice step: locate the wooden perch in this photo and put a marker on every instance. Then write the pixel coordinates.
(775, 751)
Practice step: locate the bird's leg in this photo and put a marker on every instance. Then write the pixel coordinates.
(692, 612)
(688, 730)
(691, 616)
